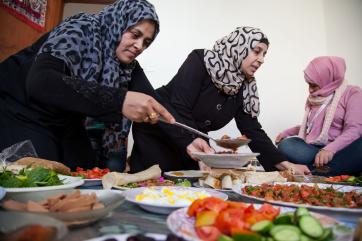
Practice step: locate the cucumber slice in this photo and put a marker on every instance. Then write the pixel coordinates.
(305, 238)
(301, 211)
(262, 226)
(224, 238)
(287, 235)
(284, 218)
(277, 228)
(327, 235)
(264, 238)
(311, 226)
(246, 237)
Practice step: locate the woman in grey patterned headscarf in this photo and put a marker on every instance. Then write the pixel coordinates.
(83, 68)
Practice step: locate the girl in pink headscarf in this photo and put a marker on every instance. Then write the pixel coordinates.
(331, 131)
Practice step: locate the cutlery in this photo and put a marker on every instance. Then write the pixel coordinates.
(226, 143)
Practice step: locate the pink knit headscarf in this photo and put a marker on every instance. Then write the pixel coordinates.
(328, 73)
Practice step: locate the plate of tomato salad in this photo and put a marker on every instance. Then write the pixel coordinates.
(91, 177)
(212, 219)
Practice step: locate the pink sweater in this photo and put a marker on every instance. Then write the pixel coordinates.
(346, 126)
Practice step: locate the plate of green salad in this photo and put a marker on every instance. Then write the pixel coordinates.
(36, 179)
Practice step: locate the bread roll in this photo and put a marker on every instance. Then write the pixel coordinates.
(213, 182)
(226, 182)
(38, 162)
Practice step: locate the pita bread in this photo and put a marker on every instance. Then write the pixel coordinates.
(118, 179)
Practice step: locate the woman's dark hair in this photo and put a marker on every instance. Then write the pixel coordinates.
(265, 41)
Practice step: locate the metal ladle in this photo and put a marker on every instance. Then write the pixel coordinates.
(225, 143)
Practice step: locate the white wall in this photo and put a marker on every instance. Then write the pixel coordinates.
(298, 31)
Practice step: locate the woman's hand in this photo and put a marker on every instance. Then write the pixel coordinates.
(140, 107)
(279, 138)
(323, 157)
(198, 145)
(297, 169)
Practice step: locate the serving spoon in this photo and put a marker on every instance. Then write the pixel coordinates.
(225, 143)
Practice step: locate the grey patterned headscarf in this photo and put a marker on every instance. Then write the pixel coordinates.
(223, 63)
(87, 44)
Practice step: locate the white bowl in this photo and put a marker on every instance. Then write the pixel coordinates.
(236, 160)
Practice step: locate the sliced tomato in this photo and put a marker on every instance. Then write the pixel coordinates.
(94, 173)
(344, 177)
(269, 211)
(230, 218)
(195, 207)
(214, 204)
(239, 205)
(208, 233)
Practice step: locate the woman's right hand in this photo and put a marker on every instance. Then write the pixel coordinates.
(140, 107)
(198, 145)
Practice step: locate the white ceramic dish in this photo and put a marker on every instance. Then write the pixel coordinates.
(182, 225)
(110, 199)
(236, 161)
(131, 194)
(123, 237)
(11, 221)
(69, 182)
(345, 214)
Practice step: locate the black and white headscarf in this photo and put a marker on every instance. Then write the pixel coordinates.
(223, 63)
(87, 43)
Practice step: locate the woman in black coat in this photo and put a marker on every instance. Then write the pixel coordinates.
(84, 68)
(210, 89)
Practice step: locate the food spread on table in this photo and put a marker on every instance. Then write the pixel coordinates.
(34, 232)
(94, 173)
(167, 196)
(114, 179)
(305, 194)
(226, 220)
(38, 162)
(221, 220)
(227, 179)
(72, 202)
(29, 177)
(345, 179)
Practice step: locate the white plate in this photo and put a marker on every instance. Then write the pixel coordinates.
(186, 174)
(346, 214)
(110, 199)
(182, 225)
(131, 194)
(92, 182)
(237, 160)
(123, 237)
(11, 221)
(69, 182)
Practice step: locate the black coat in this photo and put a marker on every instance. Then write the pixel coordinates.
(41, 101)
(194, 100)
